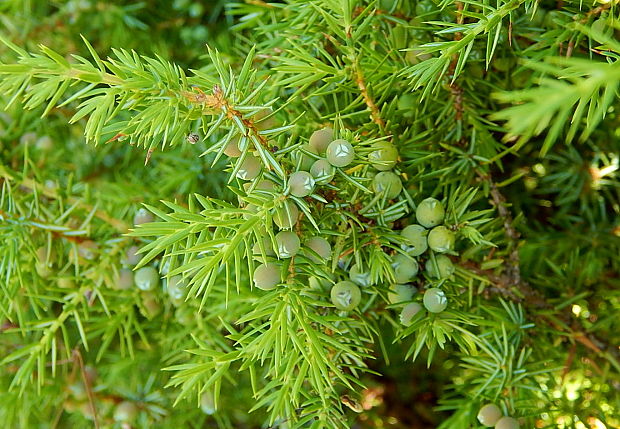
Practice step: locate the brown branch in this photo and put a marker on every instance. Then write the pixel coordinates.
(499, 202)
(569, 361)
(89, 390)
(370, 102)
(455, 89)
(360, 81)
(596, 11)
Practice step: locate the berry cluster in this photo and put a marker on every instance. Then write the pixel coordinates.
(315, 164)
(429, 236)
(429, 233)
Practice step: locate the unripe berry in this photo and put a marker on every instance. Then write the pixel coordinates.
(68, 283)
(340, 153)
(319, 283)
(444, 264)
(430, 213)
(125, 412)
(306, 161)
(125, 279)
(131, 256)
(346, 295)
(600, 25)
(388, 183)
(489, 415)
(425, 8)
(232, 148)
(177, 288)
(151, 306)
(401, 293)
(87, 411)
(441, 239)
(42, 255)
(185, 315)
(320, 246)
(320, 139)
(267, 247)
(416, 236)
(88, 249)
(142, 216)
(207, 403)
(28, 138)
(164, 267)
(85, 250)
(358, 276)
(405, 268)
(266, 185)
(384, 157)
(322, 171)
(507, 423)
(301, 183)
(78, 390)
(250, 168)
(286, 215)
(260, 118)
(146, 278)
(70, 405)
(44, 143)
(250, 211)
(42, 269)
(287, 243)
(435, 300)
(408, 313)
(415, 56)
(267, 276)
(406, 101)
(44, 262)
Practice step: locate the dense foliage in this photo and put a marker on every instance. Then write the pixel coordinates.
(324, 213)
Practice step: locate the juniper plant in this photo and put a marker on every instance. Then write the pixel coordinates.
(309, 214)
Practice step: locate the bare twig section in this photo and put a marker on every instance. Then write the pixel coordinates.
(569, 361)
(455, 89)
(89, 390)
(498, 200)
(596, 11)
(457, 94)
(503, 284)
(370, 102)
